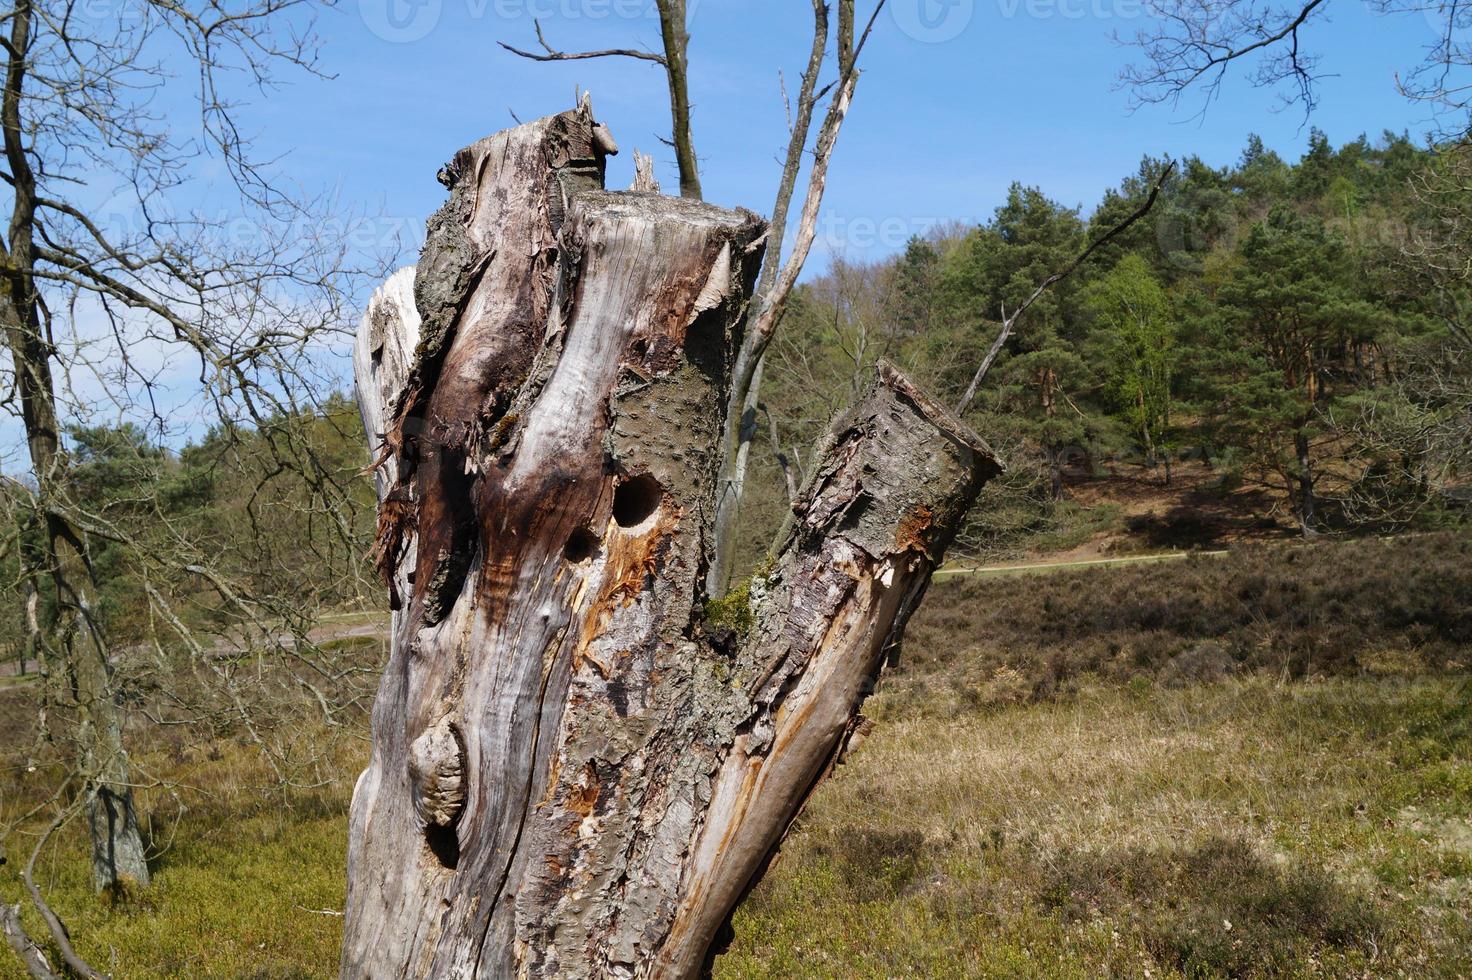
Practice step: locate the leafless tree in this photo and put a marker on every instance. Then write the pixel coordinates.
(849, 304)
(1406, 449)
(780, 275)
(1192, 46)
(675, 62)
(119, 303)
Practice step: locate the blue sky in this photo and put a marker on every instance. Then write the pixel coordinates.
(950, 110)
(959, 98)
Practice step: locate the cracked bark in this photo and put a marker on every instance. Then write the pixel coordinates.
(575, 772)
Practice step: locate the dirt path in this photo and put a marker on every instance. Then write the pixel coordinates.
(1050, 566)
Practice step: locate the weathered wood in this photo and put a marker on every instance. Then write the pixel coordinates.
(31, 954)
(891, 490)
(383, 356)
(576, 769)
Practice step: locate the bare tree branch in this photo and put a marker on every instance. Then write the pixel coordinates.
(54, 925)
(791, 469)
(772, 300)
(676, 39)
(778, 277)
(552, 54)
(30, 952)
(1196, 40)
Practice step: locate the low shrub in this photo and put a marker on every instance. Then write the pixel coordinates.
(1219, 908)
(1318, 609)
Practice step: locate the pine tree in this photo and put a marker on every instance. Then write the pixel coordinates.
(1285, 317)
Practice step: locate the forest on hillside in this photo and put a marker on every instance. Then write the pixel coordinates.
(1293, 327)
(1297, 326)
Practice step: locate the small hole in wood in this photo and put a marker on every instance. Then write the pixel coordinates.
(635, 499)
(582, 545)
(444, 844)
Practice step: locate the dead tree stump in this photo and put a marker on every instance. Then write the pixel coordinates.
(578, 768)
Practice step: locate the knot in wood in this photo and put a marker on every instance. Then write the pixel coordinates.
(437, 773)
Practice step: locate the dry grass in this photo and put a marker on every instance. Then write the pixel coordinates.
(1334, 608)
(1060, 785)
(1118, 833)
(1112, 832)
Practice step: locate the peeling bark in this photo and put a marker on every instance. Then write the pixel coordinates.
(577, 771)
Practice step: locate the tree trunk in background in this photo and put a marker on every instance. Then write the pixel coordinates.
(731, 488)
(579, 765)
(78, 655)
(118, 856)
(676, 38)
(1307, 505)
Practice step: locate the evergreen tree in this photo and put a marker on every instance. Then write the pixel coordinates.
(916, 278)
(1286, 317)
(998, 267)
(1137, 344)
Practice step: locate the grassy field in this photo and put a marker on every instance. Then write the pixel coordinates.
(1256, 765)
(244, 883)
(1242, 829)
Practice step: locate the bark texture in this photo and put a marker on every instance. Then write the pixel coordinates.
(579, 762)
(31, 954)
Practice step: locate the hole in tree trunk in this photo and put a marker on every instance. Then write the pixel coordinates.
(635, 499)
(444, 844)
(581, 546)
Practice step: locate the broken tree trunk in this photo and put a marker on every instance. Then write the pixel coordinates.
(579, 763)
